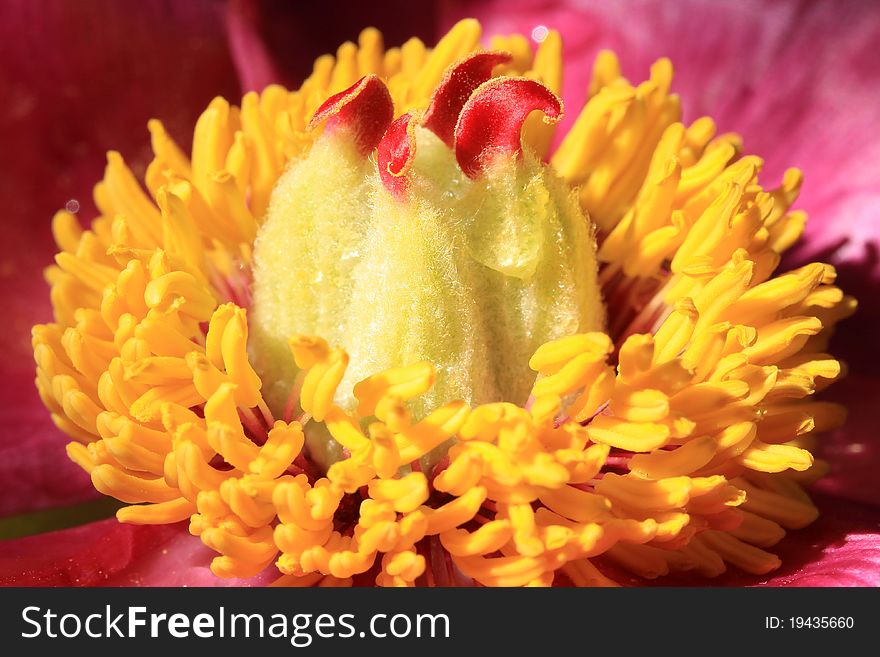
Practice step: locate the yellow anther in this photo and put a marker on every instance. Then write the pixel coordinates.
(407, 565)
(308, 351)
(319, 386)
(455, 513)
(163, 513)
(381, 537)
(386, 457)
(503, 571)
(635, 493)
(351, 474)
(775, 458)
(553, 356)
(206, 378)
(221, 408)
(631, 436)
(345, 429)
(463, 473)
(483, 423)
(545, 409)
(284, 444)
(438, 427)
(402, 382)
(680, 461)
(295, 507)
(583, 465)
(577, 505)
(487, 539)
(180, 291)
(131, 488)
(405, 494)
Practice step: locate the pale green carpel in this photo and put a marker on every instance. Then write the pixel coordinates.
(305, 255)
(471, 275)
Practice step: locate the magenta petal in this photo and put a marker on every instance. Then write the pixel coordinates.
(79, 78)
(819, 97)
(829, 65)
(293, 34)
(255, 66)
(716, 47)
(842, 548)
(182, 561)
(854, 449)
(83, 556)
(35, 472)
(108, 553)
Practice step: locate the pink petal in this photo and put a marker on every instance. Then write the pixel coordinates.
(716, 47)
(70, 102)
(182, 561)
(854, 449)
(35, 472)
(80, 78)
(842, 548)
(289, 35)
(83, 556)
(255, 66)
(108, 553)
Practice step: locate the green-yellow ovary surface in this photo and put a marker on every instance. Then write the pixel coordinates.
(471, 275)
(305, 255)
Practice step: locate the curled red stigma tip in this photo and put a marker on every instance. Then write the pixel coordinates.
(457, 85)
(365, 109)
(491, 121)
(395, 155)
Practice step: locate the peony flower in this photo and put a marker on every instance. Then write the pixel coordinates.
(403, 325)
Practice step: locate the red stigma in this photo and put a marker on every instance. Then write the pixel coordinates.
(395, 155)
(365, 109)
(491, 121)
(454, 90)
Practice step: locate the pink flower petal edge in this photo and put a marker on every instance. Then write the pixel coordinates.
(842, 548)
(71, 97)
(853, 450)
(108, 553)
(254, 64)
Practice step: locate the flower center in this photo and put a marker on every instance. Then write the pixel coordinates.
(676, 439)
(455, 248)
